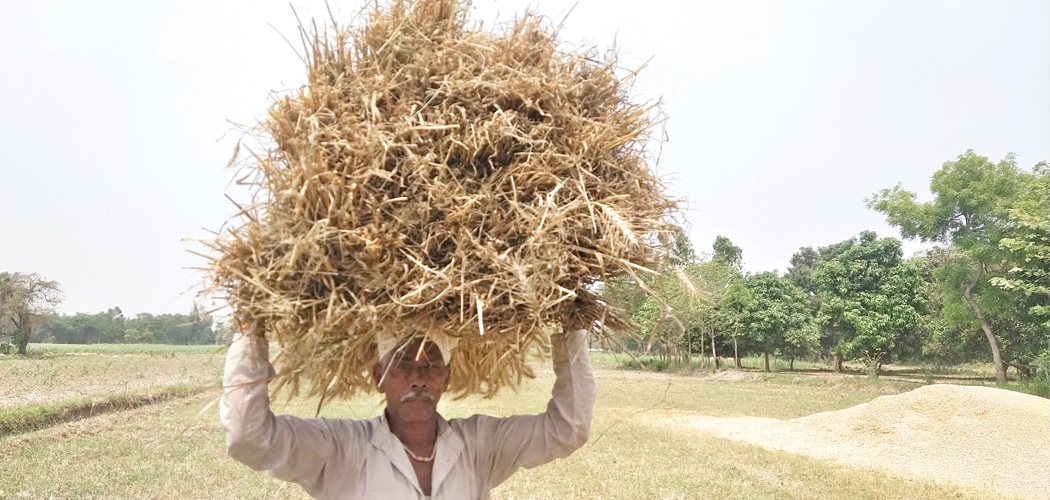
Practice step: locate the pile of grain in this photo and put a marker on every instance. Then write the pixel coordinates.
(433, 178)
(992, 439)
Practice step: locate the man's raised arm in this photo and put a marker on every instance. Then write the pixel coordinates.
(289, 448)
(532, 440)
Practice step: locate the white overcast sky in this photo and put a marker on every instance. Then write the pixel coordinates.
(783, 116)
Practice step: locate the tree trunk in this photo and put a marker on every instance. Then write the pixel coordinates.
(703, 352)
(689, 347)
(714, 353)
(1023, 371)
(838, 362)
(997, 359)
(22, 342)
(23, 330)
(736, 354)
(766, 356)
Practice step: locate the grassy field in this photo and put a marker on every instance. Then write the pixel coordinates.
(155, 349)
(55, 376)
(969, 374)
(174, 449)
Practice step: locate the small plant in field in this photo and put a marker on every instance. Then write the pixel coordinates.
(50, 378)
(1040, 383)
(927, 374)
(6, 348)
(647, 362)
(1041, 388)
(629, 364)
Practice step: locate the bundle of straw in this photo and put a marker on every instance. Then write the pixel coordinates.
(432, 178)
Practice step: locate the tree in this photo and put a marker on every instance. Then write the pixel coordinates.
(671, 309)
(870, 297)
(799, 342)
(803, 264)
(659, 302)
(682, 252)
(711, 281)
(110, 325)
(805, 261)
(800, 272)
(777, 317)
(134, 336)
(1027, 243)
(726, 253)
(663, 316)
(735, 300)
(26, 301)
(970, 210)
(79, 328)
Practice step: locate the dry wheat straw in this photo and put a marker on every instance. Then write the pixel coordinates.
(435, 178)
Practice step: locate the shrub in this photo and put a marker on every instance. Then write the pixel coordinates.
(653, 363)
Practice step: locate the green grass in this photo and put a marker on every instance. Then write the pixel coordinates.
(1035, 387)
(29, 417)
(969, 373)
(698, 363)
(156, 349)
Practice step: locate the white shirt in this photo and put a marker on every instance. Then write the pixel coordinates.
(362, 459)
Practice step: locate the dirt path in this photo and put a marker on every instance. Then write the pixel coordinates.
(982, 437)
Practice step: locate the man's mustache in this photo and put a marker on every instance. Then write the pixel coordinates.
(417, 393)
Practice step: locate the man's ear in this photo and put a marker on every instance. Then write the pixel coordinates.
(377, 374)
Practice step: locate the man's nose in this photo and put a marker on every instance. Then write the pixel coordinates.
(418, 375)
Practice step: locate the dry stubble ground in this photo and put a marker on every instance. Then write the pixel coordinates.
(645, 443)
(70, 376)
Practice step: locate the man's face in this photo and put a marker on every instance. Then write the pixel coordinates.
(413, 382)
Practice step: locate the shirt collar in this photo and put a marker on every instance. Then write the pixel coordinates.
(449, 447)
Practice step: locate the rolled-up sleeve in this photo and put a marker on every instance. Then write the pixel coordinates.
(289, 448)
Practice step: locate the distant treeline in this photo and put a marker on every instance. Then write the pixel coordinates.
(981, 293)
(112, 327)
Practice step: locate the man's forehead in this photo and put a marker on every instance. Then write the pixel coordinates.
(421, 350)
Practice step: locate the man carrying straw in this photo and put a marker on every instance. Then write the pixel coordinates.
(433, 203)
(410, 451)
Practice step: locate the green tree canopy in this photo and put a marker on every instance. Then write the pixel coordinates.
(111, 326)
(726, 253)
(729, 312)
(870, 298)
(800, 272)
(777, 316)
(970, 211)
(1027, 243)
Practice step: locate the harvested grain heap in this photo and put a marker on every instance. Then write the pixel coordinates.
(984, 437)
(435, 179)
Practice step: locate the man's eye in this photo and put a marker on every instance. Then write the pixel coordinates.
(407, 367)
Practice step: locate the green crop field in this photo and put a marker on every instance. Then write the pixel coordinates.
(173, 447)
